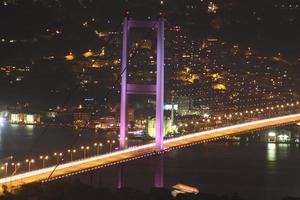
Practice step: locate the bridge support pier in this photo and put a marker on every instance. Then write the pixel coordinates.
(157, 89)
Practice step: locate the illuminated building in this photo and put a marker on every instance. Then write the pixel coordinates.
(168, 128)
(88, 54)
(22, 118)
(278, 135)
(81, 119)
(108, 122)
(70, 57)
(219, 87)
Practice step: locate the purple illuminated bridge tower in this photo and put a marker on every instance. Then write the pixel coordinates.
(157, 89)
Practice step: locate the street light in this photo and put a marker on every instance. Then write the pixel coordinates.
(84, 148)
(110, 142)
(44, 159)
(17, 166)
(4, 168)
(29, 161)
(71, 151)
(98, 145)
(57, 156)
(126, 140)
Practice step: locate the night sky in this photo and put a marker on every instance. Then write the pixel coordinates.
(265, 25)
(33, 30)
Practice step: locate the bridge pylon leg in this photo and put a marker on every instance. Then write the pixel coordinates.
(157, 89)
(124, 96)
(159, 125)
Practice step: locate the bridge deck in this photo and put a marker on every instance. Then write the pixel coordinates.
(91, 163)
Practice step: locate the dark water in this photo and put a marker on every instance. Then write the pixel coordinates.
(23, 141)
(254, 170)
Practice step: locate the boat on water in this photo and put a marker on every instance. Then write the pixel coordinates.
(183, 189)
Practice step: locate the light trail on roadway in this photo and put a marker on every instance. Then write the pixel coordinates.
(95, 162)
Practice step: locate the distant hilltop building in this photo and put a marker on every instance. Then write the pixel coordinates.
(81, 119)
(108, 122)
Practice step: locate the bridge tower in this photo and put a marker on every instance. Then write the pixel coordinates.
(157, 89)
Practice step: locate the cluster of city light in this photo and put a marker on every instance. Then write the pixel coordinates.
(252, 112)
(214, 99)
(261, 110)
(212, 7)
(227, 128)
(87, 54)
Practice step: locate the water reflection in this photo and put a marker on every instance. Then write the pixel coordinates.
(29, 127)
(137, 174)
(158, 173)
(14, 126)
(284, 151)
(21, 140)
(273, 149)
(1, 138)
(263, 174)
(271, 152)
(121, 176)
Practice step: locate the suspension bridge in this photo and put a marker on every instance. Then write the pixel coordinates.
(161, 145)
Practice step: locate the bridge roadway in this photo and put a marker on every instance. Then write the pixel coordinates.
(91, 163)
